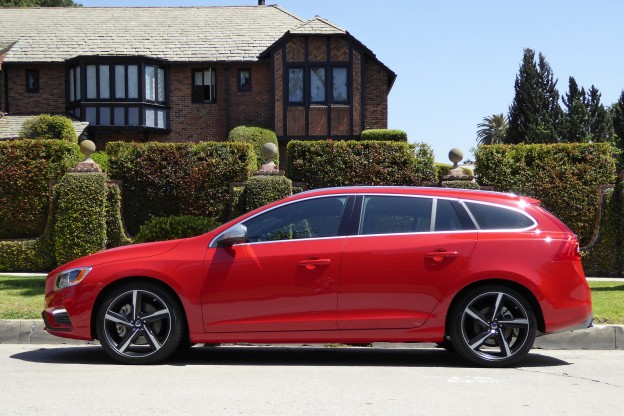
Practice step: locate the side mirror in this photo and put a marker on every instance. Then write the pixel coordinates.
(234, 235)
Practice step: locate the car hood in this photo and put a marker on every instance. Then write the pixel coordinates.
(130, 252)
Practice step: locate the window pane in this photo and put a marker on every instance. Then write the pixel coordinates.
(339, 85)
(91, 82)
(91, 115)
(317, 85)
(105, 113)
(133, 116)
(393, 214)
(446, 217)
(120, 116)
(160, 122)
(161, 85)
(72, 93)
(120, 81)
(78, 86)
(491, 217)
(313, 218)
(198, 78)
(295, 85)
(104, 82)
(133, 81)
(77, 112)
(150, 83)
(149, 118)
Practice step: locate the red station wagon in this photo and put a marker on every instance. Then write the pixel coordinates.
(480, 273)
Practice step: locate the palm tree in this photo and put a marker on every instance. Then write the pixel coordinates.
(492, 129)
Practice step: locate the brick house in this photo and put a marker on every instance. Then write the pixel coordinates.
(190, 73)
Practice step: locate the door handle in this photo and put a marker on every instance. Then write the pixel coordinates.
(312, 264)
(440, 255)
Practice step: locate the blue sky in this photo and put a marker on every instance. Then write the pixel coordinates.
(457, 60)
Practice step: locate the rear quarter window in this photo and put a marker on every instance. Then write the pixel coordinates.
(493, 217)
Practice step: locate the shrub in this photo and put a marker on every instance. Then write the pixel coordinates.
(101, 158)
(384, 135)
(26, 169)
(165, 179)
(115, 231)
(460, 184)
(49, 127)
(262, 190)
(341, 163)
(257, 137)
(80, 221)
(442, 169)
(175, 227)
(565, 177)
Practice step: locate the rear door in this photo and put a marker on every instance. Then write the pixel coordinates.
(398, 266)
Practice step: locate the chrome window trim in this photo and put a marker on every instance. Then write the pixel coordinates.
(432, 220)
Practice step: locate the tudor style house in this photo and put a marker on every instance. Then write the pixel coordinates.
(190, 73)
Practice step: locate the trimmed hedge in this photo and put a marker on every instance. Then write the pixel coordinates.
(115, 231)
(257, 137)
(460, 184)
(49, 127)
(262, 190)
(340, 163)
(565, 177)
(165, 179)
(26, 169)
(80, 222)
(175, 227)
(384, 135)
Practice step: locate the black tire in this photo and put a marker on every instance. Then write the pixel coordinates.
(492, 326)
(139, 323)
(447, 345)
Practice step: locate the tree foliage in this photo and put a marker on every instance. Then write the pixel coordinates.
(39, 3)
(575, 122)
(493, 129)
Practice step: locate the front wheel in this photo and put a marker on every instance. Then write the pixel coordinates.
(139, 323)
(493, 326)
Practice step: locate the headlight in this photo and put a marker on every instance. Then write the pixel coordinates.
(71, 277)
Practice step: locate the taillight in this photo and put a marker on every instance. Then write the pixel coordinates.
(569, 249)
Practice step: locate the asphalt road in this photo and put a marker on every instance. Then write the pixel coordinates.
(81, 380)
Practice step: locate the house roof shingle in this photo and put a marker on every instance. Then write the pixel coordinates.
(177, 34)
(318, 26)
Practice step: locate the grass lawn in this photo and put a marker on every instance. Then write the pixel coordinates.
(22, 298)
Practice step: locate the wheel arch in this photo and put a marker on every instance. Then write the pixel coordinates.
(133, 279)
(523, 290)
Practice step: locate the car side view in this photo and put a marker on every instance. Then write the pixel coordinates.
(479, 273)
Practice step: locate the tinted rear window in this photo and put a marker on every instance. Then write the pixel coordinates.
(490, 217)
(395, 214)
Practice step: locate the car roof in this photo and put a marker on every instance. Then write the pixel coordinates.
(453, 193)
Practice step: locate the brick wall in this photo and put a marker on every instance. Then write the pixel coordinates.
(376, 95)
(51, 95)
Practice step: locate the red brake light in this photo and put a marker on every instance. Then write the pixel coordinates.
(569, 250)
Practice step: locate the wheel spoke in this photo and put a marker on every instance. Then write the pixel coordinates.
(161, 314)
(502, 342)
(479, 340)
(136, 304)
(478, 317)
(127, 340)
(117, 318)
(515, 323)
(151, 338)
(497, 305)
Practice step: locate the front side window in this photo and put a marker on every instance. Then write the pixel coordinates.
(204, 86)
(313, 218)
(32, 80)
(492, 217)
(395, 215)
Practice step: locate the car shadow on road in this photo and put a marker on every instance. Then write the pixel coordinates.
(281, 356)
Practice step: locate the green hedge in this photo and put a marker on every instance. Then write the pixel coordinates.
(161, 180)
(565, 177)
(262, 190)
(80, 222)
(384, 135)
(115, 231)
(257, 137)
(341, 163)
(460, 184)
(26, 169)
(172, 228)
(49, 127)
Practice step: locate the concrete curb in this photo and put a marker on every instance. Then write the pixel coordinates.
(600, 337)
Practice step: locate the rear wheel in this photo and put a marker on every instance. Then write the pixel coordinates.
(493, 326)
(139, 323)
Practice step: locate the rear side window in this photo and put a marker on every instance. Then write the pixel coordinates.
(395, 215)
(447, 218)
(491, 217)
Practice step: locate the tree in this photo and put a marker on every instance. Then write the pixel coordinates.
(534, 114)
(492, 130)
(617, 115)
(39, 3)
(575, 121)
(600, 123)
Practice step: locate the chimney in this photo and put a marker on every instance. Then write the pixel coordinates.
(260, 2)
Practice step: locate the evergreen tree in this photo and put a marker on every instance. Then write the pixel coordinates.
(535, 114)
(575, 121)
(38, 3)
(617, 115)
(600, 123)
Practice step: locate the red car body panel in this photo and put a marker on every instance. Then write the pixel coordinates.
(341, 289)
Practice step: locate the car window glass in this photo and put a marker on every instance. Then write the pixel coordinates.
(312, 218)
(490, 217)
(395, 214)
(446, 218)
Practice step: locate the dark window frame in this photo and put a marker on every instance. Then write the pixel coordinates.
(195, 97)
(34, 75)
(242, 87)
